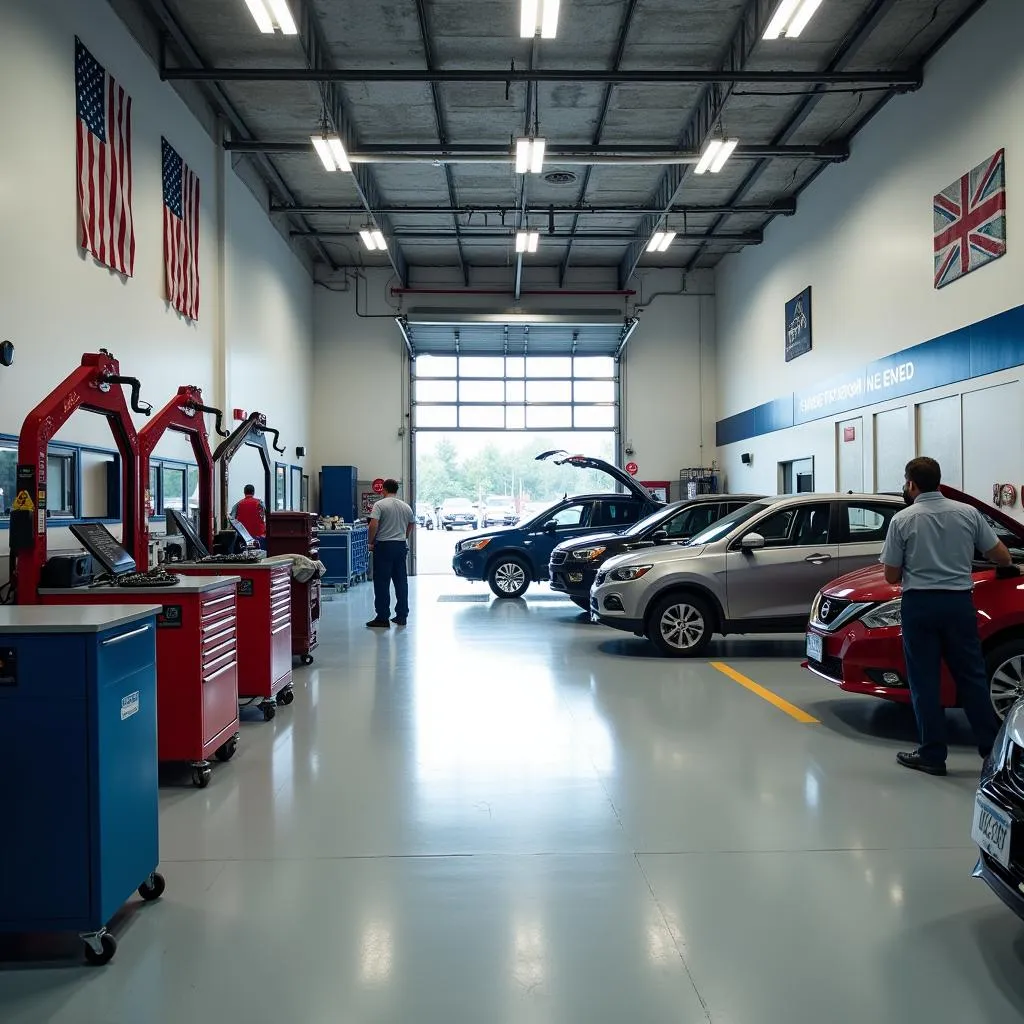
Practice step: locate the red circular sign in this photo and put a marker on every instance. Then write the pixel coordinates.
(378, 486)
(632, 468)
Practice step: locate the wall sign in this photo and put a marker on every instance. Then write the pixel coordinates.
(849, 434)
(378, 486)
(798, 325)
(632, 468)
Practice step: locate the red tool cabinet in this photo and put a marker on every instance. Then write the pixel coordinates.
(197, 659)
(297, 533)
(264, 627)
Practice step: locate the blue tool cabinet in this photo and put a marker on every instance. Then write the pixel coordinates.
(339, 492)
(78, 725)
(345, 554)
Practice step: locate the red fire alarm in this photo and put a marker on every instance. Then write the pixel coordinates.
(239, 414)
(849, 434)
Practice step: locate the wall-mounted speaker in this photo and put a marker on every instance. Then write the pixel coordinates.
(300, 451)
(746, 458)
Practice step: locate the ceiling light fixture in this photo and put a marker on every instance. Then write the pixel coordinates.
(530, 155)
(331, 151)
(539, 15)
(268, 12)
(660, 241)
(791, 17)
(527, 241)
(373, 239)
(715, 154)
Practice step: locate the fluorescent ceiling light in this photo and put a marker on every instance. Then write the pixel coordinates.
(368, 240)
(533, 241)
(373, 239)
(791, 17)
(666, 241)
(527, 241)
(378, 237)
(331, 151)
(715, 155)
(539, 14)
(530, 155)
(652, 245)
(267, 12)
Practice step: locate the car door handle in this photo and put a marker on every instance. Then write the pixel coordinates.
(818, 559)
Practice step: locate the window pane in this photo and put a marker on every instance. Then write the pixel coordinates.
(482, 416)
(173, 488)
(482, 366)
(548, 416)
(515, 366)
(8, 480)
(436, 415)
(595, 391)
(869, 523)
(436, 391)
(515, 417)
(60, 484)
(193, 487)
(280, 487)
(481, 391)
(594, 366)
(573, 515)
(549, 391)
(795, 527)
(595, 416)
(154, 489)
(548, 366)
(515, 391)
(616, 514)
(296, 488)
(436, 366)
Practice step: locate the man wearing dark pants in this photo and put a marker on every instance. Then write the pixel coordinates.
(391, 524)
(930, 549)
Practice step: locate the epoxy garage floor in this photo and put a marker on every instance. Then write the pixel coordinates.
(505, 814)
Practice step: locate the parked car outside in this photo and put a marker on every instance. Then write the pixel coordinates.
(499, 510)
(999, 813)
(458, 512)
(854, 638)
(755, 571)
(424, 515)
(574, 563)
(511, 558)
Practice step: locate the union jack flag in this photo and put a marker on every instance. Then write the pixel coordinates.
(970, 221)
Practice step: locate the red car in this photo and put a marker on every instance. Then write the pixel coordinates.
(854, 638)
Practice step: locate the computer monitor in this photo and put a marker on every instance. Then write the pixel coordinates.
(194, 547)
(235, 540)
(104, 547)
(248, 540)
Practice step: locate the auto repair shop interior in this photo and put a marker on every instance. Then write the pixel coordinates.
(635, 300)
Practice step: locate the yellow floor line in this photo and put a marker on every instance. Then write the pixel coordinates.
(773, 698)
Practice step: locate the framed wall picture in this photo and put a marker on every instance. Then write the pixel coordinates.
(798, 325)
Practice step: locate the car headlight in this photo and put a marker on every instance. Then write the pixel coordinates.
(588, 554)
(630, 572)
(888, 614)
(474, 545)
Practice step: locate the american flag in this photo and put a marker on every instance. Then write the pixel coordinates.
(970, 221)
(104, 150)
(181, 233)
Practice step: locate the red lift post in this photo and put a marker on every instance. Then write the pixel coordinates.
(264, 592)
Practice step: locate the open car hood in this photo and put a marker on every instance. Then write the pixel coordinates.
(1008, 523)
(563, 458)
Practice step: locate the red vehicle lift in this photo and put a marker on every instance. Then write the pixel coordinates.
(264, 594)
(184, 414)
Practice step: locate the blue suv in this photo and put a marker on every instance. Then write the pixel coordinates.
(510, 558)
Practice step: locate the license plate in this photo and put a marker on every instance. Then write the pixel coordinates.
(815, 647)
(991, 830)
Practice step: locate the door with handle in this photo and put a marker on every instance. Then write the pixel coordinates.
(800, 555)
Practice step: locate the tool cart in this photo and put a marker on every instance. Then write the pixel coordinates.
(297, 533)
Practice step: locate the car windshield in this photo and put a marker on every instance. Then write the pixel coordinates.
(725, 526)
(640, 528)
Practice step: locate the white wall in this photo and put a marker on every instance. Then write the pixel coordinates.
(862, 238)
(360, 386)
(252, 344)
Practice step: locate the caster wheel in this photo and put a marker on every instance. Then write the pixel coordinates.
(201, 777)
(226, 751)
(98, 958)
(286, 697)
(269, 711)
(307, 659)
(153, 888)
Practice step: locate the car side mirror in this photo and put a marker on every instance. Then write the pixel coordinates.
(752, 542)
(550, 526)
(660, 536)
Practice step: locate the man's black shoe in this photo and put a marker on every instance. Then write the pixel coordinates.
(379, 624)
(398, 622)
(917, 763)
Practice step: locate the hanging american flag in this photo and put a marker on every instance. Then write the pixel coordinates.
(181, 233)
(970, 221)
(104, 148)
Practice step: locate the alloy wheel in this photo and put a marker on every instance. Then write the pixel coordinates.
(682, 626)
(509, 577)
(1006, 686)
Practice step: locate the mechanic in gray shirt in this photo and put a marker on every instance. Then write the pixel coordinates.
(391, 523)
(930, 549)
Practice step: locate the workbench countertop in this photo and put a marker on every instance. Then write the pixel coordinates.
(188, 585)
(76, 618)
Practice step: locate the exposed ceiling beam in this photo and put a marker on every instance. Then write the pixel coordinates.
(905, 79)
(439, 120)
(620, 49)
(319, 59)
(508, 235)
(169, 30)
(784, 207)
(521, 217)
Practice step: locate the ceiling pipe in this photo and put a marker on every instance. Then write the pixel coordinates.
(784, 207)
(627, 293)
(899, 80)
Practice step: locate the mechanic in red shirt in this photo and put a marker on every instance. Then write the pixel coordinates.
(252, 514)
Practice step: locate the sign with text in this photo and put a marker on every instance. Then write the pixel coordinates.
(798, 325)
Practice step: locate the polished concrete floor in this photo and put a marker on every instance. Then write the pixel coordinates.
(505, 814)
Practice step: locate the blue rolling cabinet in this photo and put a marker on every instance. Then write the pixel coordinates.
(339, 492)
(78, 727)
(346, 555)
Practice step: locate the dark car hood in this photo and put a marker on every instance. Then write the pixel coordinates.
(587, 542)
(1008, 523)
(590, 462)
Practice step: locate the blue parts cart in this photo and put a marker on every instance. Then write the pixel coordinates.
(81, 819)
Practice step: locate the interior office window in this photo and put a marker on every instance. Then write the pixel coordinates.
(296, 488)
(304, 498)
(172, 488)
(280, 487)
(192, 487)
(796, 477)
(60, 483)
(154, 488)
(8, 478)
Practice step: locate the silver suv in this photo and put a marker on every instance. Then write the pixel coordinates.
(755, 571)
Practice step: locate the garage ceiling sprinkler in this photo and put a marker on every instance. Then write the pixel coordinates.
(268, 12)
(539, 15)
(791, 17)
